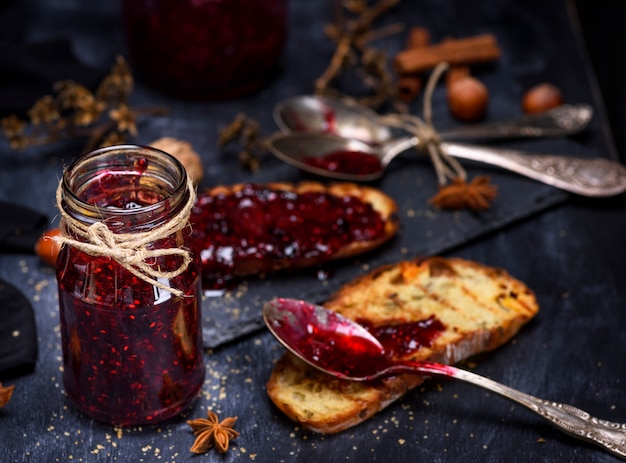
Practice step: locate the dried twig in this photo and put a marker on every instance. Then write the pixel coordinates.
(352, 36)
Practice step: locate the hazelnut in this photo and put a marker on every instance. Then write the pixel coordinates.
(467, 98)
(541, 98)
(184, 152)
(47, 248)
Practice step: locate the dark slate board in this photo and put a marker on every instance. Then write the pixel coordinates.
(572, 352)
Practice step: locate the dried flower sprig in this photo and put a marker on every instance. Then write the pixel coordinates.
(103, 117)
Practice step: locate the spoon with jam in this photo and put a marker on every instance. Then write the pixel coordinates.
(342, 348)
(340, 158)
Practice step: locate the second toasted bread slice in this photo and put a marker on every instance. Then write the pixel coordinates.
(479, 308)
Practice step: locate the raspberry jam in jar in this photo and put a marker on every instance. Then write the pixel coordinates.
(210, 49)
(129, 289)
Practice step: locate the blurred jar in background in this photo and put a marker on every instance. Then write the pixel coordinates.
(206, 49)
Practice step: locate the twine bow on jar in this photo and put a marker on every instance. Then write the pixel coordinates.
(130, 250)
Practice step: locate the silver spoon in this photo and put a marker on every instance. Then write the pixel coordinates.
(594, 177)
(310, 113)
(342, 348)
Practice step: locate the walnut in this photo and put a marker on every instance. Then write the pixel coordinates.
(184, 152)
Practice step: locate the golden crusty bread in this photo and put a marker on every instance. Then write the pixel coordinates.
(380, 202)
(480, 307)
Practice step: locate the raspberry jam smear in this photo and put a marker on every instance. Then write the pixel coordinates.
(132, 352)
(401, 339)
(249, 231)
(336, 348)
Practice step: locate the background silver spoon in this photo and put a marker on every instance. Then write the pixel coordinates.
(310, 113)
(342, 348)
(593, 177)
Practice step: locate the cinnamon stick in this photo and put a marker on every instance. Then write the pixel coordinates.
(469, 50)
(409, 85)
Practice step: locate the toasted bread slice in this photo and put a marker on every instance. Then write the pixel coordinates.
(256, 239)
(480, 308)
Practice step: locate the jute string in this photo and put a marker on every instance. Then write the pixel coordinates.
(130, 250)
(446, 167)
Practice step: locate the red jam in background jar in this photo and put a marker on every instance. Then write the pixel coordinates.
(132, 351)
(213, 49)
(249, 230)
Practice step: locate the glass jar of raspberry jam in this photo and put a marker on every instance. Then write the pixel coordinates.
(129, 291)
(209, 49)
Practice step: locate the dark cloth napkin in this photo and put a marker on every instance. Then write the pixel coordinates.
(18, 333)
(28, 70)
(20, 229)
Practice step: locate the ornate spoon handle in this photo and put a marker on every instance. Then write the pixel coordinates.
(594, 177)
(571, 420)
(563, 120)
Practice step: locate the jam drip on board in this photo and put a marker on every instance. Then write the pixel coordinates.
(247, 232)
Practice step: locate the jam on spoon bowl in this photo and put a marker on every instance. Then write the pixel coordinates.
(317, 153)
(342, 348)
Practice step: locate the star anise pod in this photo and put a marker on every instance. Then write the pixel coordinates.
(476, 195)
(5, 394)
(211, 432)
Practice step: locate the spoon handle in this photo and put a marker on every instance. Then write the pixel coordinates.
(571, 420)
(560, 121)
(595, 177)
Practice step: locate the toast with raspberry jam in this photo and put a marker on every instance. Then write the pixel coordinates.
(252, 229)
(437, 309)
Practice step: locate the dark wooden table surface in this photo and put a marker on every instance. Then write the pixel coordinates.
(568, 249)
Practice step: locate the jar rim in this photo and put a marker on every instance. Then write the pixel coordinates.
(176, 189)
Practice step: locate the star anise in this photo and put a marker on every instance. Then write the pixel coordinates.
(5, 394)
(211, 432)
(476, 195)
